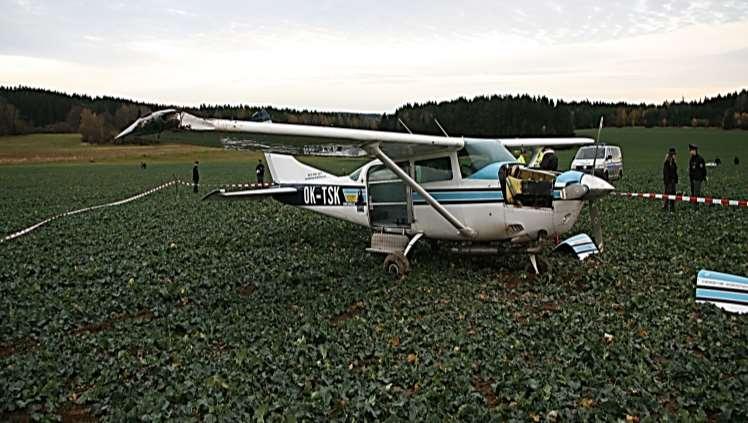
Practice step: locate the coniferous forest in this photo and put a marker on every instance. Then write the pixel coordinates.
(31, 110)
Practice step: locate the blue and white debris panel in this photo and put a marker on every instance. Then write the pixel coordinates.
(728, 292)
(580, 245)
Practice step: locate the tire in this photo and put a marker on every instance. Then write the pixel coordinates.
(397, 265)
(606, 176)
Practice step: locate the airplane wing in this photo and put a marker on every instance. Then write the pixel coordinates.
(558, 143)
(297, 139)
(222, 194)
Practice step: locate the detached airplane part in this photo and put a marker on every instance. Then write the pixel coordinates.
(580, 245)
(470, 191)
(728, 292)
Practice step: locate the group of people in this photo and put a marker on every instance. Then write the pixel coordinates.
(696, 174)
(259, 173)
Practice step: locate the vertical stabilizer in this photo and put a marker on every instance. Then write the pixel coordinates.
(286, 169)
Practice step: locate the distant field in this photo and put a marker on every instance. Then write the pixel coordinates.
(647, 146)
(68, 148)
(175, 148)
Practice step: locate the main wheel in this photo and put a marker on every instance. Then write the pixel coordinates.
(397, 265)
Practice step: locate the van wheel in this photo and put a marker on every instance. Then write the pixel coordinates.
(606, 176)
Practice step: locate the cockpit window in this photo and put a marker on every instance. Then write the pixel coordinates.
(478, 154)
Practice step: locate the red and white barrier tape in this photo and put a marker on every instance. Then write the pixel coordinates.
(685, 198)
(127, 200)
(251, 186)
(73, 212)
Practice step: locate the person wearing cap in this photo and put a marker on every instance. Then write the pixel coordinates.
(670, 178)
(696, 170)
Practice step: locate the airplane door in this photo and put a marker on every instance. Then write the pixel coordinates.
(390, 203)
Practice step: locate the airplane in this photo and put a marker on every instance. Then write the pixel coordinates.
(470, 192)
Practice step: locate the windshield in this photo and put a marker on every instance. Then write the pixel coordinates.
(588, 153)
(478, 154)
(356, 174)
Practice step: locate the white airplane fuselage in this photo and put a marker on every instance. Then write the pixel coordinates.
(478, 201)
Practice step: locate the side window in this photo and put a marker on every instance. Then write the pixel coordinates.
(433, 170)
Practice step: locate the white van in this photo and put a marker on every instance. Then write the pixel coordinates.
(609, 162)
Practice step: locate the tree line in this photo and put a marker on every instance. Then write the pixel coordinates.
(98, 119)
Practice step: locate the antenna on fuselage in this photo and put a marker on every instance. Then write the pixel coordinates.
(405, 126)
(597, 143)
(597, 228)
(440, 127)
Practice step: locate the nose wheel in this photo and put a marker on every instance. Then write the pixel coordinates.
(396, 265)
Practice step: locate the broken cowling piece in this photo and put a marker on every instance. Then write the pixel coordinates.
(580, 246)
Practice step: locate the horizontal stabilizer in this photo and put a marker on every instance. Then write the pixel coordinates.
(253, 194)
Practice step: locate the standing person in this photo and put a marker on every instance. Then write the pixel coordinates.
(260, 172)
(521, 158)
(696, 170)
(670, 178)
(550, 161)
(195, 176)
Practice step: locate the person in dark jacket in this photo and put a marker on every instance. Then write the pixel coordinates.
(670, 178)
(696, 170)
(550, 161)
(260, 172)
(195, 176)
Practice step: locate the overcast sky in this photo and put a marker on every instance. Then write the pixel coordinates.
(375, 55)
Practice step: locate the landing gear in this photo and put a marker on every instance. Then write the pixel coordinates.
(397, 265)
(538, 265)
(396, 247)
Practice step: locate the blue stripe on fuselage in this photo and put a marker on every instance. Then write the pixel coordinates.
(462, 196)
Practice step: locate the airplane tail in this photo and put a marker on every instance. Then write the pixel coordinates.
(285, 169)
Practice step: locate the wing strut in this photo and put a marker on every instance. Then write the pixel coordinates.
(465, 231)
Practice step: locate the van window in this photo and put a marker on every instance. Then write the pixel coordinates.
(588, 153)
(433, 170)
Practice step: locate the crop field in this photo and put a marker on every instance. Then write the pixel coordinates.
(169, 307)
